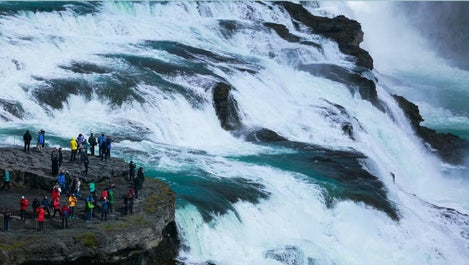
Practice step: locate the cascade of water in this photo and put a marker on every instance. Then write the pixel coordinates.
(143, 72)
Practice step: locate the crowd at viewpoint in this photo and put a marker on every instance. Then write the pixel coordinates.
(67, 192)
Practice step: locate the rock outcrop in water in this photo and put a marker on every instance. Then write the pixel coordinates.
(148, 236)
(346, 32)
(449, 147)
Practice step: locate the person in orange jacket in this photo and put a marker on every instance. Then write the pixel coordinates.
(72, 200)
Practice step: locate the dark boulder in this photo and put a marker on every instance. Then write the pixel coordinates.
(226, 107)
(264, 135)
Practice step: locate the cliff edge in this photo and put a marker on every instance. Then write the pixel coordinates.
(148, 236)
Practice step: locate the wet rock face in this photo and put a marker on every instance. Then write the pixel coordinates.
(346, 32)
(449, 147)
(11, 109)
(226, 107)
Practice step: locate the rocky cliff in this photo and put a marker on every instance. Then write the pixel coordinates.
(148, 236)
(449, 147)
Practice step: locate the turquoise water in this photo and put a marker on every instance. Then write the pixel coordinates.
(144, 73)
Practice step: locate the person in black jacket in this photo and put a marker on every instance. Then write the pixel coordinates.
(93, 143)
(27, 140)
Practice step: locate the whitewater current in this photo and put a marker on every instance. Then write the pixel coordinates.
(143, 72)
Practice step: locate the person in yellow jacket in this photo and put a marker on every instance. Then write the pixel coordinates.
(72, 201)
(74, 147)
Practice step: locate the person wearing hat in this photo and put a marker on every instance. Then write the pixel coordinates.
(23, 206)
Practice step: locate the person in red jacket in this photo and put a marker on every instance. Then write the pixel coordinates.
(55, 192)
(56, 205)
(40, 218)
(104, 194)
(23, 206)
(65, 214)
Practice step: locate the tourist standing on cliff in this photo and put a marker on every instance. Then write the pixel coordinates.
(56, 205)
(36, 204)
(92, 142)
(55, 192)
(65, 213)
(23, 206)
(104, 208)
(93, 190)
(110, 193)
(108, 147)
(54, 158)
(40, 217)
(101, 143)
(86, 147)
(86, 162)
(72, 200)
(136, 186)
(132, 167)
(75, 187)
(89, 206)
(41, 140)
(74, 148)
(6, 180)
(61, 181)
(27, 140)
(80, 139)
(129, 201)
(6, 220)
(46, 205)
(141, 176)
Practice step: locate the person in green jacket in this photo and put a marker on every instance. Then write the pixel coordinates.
(6, 180)
(93, 190)
(110, 193)
(90, 206)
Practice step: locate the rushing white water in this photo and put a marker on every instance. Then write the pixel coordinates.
(174, 137)
(412, 66)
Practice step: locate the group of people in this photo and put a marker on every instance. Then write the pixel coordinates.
(66, 210)
(78, 146)
(66, 184)
(41, 140)
(71, 187)
(81, 146)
